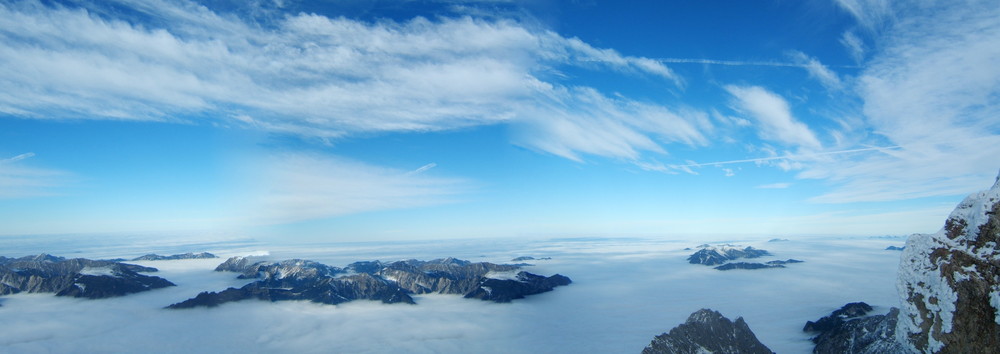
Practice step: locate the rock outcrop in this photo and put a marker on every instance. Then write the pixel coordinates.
(950, 281)
(76, 277)
(707, 331)
(394, 282)
(189, 255)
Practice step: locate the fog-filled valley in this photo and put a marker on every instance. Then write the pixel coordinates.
(624, 291)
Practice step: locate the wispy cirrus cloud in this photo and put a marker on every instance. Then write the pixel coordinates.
(18, 180)
(318, 76)
(931, 88)
(773, 117)
(292, 187)
(818, 71)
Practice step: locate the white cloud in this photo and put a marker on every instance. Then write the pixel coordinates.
(586, 316)
(570, 121)
(932, 90)
(295, 187)
(775, 186)
(773, 116)
(855, 47)
(323, 77)
(818, 71)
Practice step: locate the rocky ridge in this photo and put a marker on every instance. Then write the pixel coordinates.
(393, 282)
(189, 255)
(707, 331)
(714, 255)
(75, 277)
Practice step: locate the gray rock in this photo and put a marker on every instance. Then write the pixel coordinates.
(707, 331)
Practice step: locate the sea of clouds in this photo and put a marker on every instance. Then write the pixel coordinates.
(624, 292)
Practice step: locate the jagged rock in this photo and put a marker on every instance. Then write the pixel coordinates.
(894, 248)
(949, 281)
(189, 255)
(847, 331)
(707, 331)
(505, 290)
(712, 255)
(77, 277)
(372, 280)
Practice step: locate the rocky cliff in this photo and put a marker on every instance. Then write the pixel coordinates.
(949, 281)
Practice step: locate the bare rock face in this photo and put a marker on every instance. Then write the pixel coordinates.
(707, 331)
(950, 281)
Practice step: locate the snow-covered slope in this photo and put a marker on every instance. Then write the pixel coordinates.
(950, 281)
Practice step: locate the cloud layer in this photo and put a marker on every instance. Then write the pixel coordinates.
(317, 76)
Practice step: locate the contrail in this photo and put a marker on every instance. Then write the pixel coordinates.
(18, 157)
(742, 63)
(422, 169)
(762, 159)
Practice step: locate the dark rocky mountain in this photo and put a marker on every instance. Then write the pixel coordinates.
(751, 265)
(707, 331)
(837, 317)
(713, 255)
(787, 261)
(894, 248)
(76, 277)
(505, 290)
(949, 282)
(747, 265)
(848, 330)
(529, 258)
(298, 279)
(189, 255)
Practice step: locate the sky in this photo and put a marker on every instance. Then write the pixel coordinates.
(379, 120)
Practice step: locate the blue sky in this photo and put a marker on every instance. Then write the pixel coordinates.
(364, 120)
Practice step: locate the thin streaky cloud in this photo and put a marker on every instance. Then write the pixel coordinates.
(743, 63)
(782, 185)
(423, 168)
(18, 157)
(786, 157)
